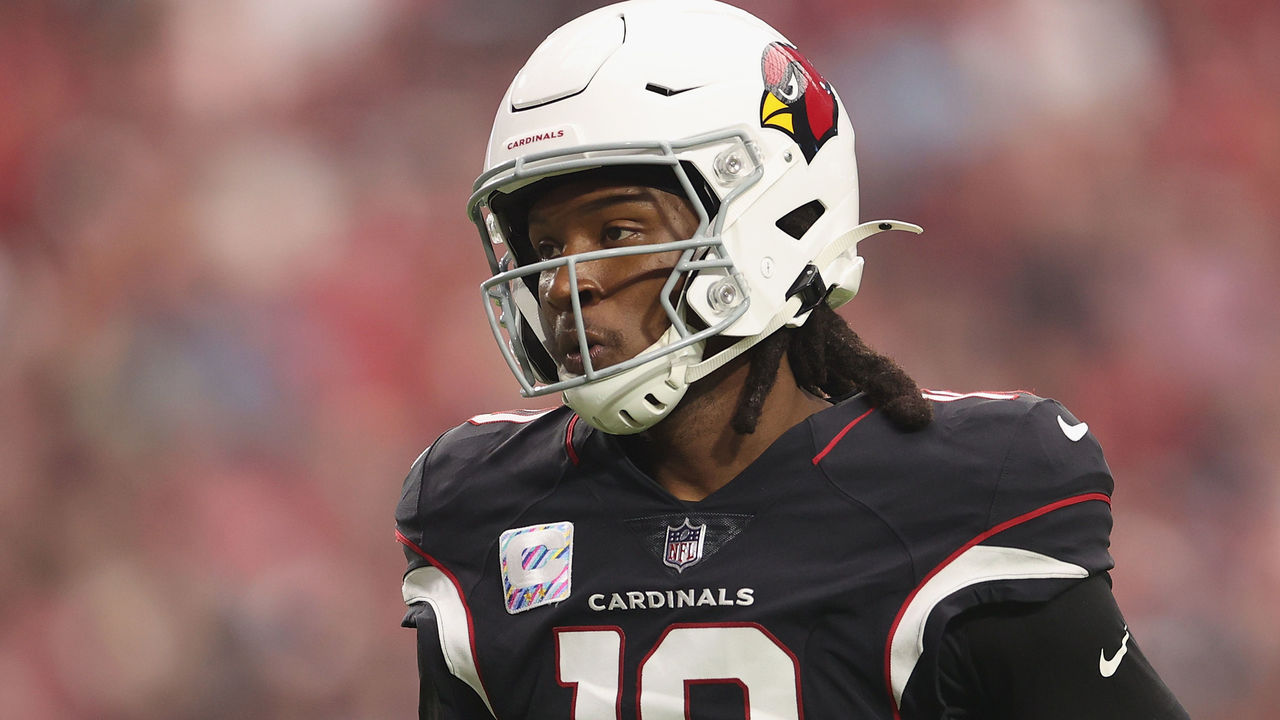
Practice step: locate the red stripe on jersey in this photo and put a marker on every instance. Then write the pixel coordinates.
(414, 547)
(471, 626)
(568, 439)
(996, 530)
(839, 436)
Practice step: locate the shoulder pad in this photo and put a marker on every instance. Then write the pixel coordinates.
(484, 470)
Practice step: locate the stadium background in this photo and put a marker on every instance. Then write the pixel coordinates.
(238, 295)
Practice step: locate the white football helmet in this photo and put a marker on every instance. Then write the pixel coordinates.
(710, 102)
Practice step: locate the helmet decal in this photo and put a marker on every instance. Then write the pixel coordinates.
(796, 99)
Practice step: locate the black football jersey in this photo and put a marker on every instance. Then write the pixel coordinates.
(565, 583)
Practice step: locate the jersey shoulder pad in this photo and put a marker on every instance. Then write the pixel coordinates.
(1044, 486)
(968, 439)
(987, 461)
(484, 469)
(1033, 450)
(1053, 493)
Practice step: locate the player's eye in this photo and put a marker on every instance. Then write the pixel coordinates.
(547, 249)
(615, 234)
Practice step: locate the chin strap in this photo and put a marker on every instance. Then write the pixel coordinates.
(722, 358)
(838, 247)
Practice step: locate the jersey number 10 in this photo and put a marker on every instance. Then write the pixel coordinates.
(589, 660)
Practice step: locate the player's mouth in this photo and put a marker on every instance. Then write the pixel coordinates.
(573, 364)
(569, 350)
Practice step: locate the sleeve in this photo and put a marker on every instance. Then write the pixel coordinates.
(1071, 657)
(441, 696)
(409, 529)
(1046, 527)
(421, 618)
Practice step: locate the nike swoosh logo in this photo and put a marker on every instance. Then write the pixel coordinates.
(1073, 432)
(1108, 667)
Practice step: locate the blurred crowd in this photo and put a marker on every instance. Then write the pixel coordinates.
(239, 294)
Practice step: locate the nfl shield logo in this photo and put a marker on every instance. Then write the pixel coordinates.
(684, 545)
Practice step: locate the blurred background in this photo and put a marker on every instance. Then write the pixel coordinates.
(238, 296)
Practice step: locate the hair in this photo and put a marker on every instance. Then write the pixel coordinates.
(830, 360)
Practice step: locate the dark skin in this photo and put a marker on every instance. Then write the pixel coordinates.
(693, 451)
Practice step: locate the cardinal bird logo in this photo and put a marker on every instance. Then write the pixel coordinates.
(796, 99)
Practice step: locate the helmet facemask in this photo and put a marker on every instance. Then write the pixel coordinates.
(499, 209)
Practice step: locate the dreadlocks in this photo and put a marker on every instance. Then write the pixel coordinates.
(829, 359)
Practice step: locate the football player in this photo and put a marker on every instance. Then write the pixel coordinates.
(740, 511)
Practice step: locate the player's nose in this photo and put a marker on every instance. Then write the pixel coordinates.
(561, 284)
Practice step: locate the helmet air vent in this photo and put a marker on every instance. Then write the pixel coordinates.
(797, 222)
(666, 91)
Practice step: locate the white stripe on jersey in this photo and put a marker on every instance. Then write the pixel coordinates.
(511, 416)
(948, 396)
(978, 564)
(428, 584)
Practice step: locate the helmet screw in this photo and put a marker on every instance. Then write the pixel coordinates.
(728, 166)
(766, 267)
(723, 295)
(787, 156)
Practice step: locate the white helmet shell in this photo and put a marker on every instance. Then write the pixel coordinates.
(752, 134)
